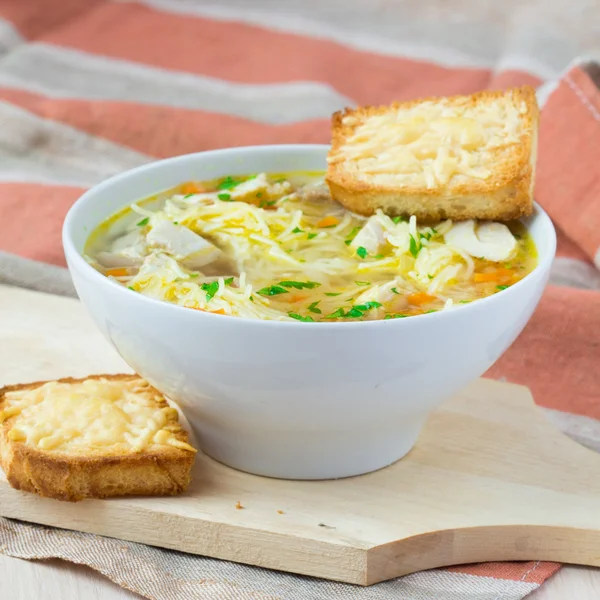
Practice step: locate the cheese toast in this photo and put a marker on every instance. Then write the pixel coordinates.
(462, 157)
(106, 435)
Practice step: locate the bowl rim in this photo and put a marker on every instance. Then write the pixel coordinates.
(75, 258)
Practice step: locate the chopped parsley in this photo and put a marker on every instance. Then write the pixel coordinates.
(130, 288)
(395, 290)
(355, 312)
(297, 230)
(396, 316)
(430, 311)
(378, 256)
(194, 275)
(210, 289)
(272, 290)
(313, 307)
(430, 276)
(175, 222)
(298, 317)
(508, 266)
(143, 222)
(414, 247)
(188, 195)
(225, 197)
(228, 183)
(362, 252)
(465, 301)
(362, 282)
(300, 285)
(332, 293)
(312, 235)
(351, 236)
(266, 203)
(397, 220)
(228, 281)
(502, 287)
(434, 231)
(425, 236)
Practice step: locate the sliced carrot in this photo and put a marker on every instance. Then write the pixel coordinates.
(483, 277)
(329, 221)
(221, 311)
(117, 272)
(190, 188)
(420, 298)
(500, 275)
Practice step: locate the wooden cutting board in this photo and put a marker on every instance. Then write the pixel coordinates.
(489, 479)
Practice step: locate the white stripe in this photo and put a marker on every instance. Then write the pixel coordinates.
(597, 258)
(38, 150)
(61, 72)
(9, 37)
(416, 32)
(574, 273)
(584, 430)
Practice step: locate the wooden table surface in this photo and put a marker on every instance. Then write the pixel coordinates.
(58, 580)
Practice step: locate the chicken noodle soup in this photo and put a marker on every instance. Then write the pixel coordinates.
(278, 247)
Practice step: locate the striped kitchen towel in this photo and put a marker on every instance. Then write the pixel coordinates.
(89, 88)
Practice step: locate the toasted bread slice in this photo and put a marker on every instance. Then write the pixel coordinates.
(463, 157)
(107, 435)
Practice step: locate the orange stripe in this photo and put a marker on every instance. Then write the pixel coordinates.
(567, 248)
(513, 571)
(161, 131)
(32, 217)
(36, 17)
(562, 336)
(240, 52)
(568, 184)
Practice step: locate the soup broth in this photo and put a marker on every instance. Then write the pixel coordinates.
(278, 247)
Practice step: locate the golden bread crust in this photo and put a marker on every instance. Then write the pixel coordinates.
(506, 194)
(161, 470)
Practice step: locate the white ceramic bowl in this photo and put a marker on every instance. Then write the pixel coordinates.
(293, 400)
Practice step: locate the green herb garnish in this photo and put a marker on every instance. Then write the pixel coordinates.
(130, 288)
(175, 222)
(194, 275)
(297, 230)
(188, 195)
(143, 222)
(313, 307)
(210, 289)
(414, 247)
(228, 281)
(395, 290)
(312, 235)
(352, 235)
(465, 301)
(502, 287)
(396, 316)
(378, 256)
(272, 290)
(362, 282)
(259, 194)
(228, 183)
(306, 319)
(225, 197)
(336, 314)
(300, 285)
(362, 252)
(397, 220)
(430, 311)
(332, 293)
